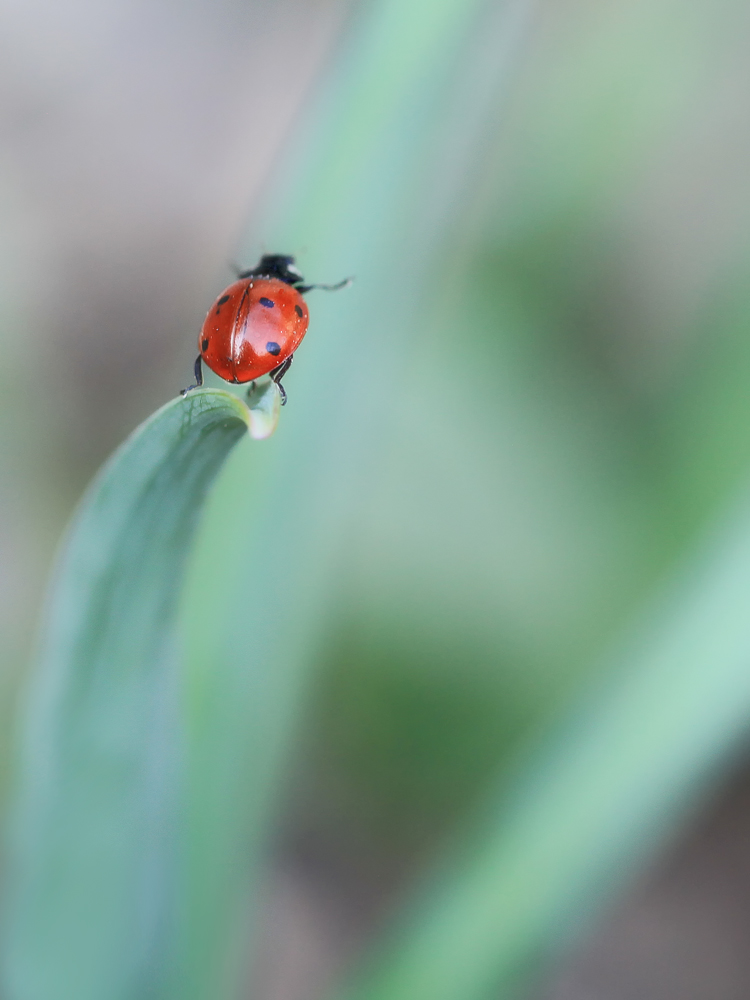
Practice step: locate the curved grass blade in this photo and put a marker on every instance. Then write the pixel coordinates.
(94, 832)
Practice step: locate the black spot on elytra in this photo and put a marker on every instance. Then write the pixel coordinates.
(298, 310)
(222, 300)
(268, 303)
(272, 347)
(204, 344)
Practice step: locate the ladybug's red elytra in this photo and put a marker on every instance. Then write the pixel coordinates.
(255, 326)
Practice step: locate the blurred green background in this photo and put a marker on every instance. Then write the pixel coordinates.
(508, 436)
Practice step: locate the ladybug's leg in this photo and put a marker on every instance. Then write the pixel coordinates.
(277, 375)
(198, 377)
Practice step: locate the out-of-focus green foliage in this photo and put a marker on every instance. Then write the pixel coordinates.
(596, 794)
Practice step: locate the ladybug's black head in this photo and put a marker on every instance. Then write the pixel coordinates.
(275, 265)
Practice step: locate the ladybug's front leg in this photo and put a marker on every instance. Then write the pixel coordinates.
(277, 375)
(198, 377)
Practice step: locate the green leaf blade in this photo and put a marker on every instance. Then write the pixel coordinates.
(91, 884)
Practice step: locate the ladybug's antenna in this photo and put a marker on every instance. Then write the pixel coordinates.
(326, 288)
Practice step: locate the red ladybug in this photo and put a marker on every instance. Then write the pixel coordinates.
(257, 324)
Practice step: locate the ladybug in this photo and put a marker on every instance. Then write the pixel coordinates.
(256, 325)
